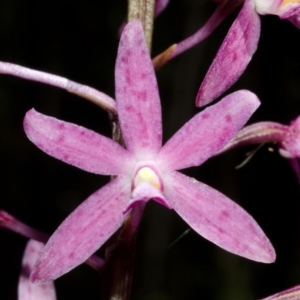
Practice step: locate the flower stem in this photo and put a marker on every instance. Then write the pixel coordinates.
(119, 259)
(143, 10)
(120, 248)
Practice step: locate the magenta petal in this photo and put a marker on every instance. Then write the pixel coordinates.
(76, 145)
(295, 19)
(217, 218)
(26, 289)
(291, 140)
(234, 55)
(138, 102)
(290, 294)
(160, 5)
(208, 131)
(84, 230)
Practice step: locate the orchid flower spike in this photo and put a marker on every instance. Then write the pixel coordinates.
(145, 170)
(240, 44)
(289, 294)
(287, 137)
(26, 289)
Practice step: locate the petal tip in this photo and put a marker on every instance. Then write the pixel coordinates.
(263, 252)
(35, 278)
(40, 274)
(270, 256)
(30, 118)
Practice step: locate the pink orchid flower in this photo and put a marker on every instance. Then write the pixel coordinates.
(145, 170)
(26, 289)
(287, 137)
(240, 44)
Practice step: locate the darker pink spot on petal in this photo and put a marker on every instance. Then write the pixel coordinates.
(129, 108)
(143, 76)
(228, 118)
(142, 95)
(124, 59)
(220, 230)
(60, 139)
(224, 214)
(128, 53)
(128, 77)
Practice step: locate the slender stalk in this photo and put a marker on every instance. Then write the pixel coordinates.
(73, 87)
(143, 10)
(120, 248)
(119, 258)
(223, 10)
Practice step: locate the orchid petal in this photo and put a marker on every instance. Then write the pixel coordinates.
(283, 8)
(26, 289)
(295, 20)
(291, 140)
(160, 6)
(77, 145)
(138, 102)
(234, 55)
(208, 131)
(84, 230)
(217, 218)
(289, 294)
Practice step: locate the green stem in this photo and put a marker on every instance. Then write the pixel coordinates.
(143, 10)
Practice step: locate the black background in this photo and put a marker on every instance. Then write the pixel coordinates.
(79, 40)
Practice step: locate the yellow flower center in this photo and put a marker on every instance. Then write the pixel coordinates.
(285, 2)
(146, 174)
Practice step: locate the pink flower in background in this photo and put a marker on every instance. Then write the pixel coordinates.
(26, 289)
(145, 170)
(287, 137)
(240, 44)
(285, 9)
(290, 143)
